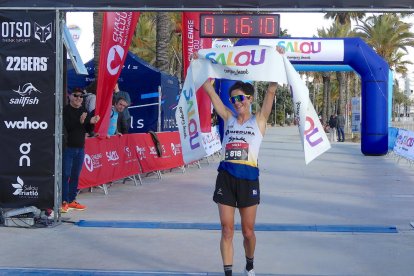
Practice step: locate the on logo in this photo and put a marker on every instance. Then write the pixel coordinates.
(43, 33)
(24, 150)
(115, 56)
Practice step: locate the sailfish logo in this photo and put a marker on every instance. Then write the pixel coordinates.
(26, 90)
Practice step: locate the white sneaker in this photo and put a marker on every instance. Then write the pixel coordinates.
(249, 273)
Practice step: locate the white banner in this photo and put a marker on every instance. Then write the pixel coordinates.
(211, 141)
(404, 144)
(246, 63)
(309, 49)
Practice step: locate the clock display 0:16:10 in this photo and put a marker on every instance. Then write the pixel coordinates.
(235, 25)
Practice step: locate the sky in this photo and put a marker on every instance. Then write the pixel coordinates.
(305, 27)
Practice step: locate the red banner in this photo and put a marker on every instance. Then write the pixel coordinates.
(117, 31)
(192, 43)
(122, 156)
(149, 160)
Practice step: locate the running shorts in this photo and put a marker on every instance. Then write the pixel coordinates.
(236, 192)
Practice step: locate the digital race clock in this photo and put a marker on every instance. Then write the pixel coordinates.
(239, 25)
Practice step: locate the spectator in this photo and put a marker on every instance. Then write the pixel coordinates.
(332, 126)
(340, 124)
(125, 114)
(90, 98)
(117, 124)
(76, 123)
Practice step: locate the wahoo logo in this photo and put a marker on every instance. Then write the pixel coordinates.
(243, 58)
(25, 124)
(43, 33)
(114, 60)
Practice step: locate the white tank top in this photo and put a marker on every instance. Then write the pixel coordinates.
(241, 143)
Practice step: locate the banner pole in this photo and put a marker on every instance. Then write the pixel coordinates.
(58, 116)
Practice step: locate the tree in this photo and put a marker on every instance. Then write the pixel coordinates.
(336, 30)
(162, 41)
(389, 36)
(344, 18)
(97, 33)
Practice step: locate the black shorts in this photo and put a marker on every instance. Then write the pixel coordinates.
(236, 192)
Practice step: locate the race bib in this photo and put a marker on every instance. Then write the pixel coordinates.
(237, 151)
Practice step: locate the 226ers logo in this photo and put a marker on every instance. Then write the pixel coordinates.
(237, 151)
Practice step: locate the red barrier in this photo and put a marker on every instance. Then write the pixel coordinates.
(121, 156)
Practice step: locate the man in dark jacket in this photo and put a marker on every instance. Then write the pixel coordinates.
(340, 124)
(76, 123)
(332, 128)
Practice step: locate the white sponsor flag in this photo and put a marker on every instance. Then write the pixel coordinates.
(246, 63)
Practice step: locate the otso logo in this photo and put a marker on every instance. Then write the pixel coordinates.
(22, 31)
(31, 64)
(88, 162)
(43, 33)
(16, 29)
(25, 124)
(115, 56)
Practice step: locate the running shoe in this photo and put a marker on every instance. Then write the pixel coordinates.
(76, 206)
(65, 207)
(249, 273)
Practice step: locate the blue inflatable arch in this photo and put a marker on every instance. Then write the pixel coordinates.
(374, 72)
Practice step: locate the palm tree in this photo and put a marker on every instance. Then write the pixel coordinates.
(143, 42)
(389, 36)
(336, 30)
(163, 39)
(97, 33)
(344, 18)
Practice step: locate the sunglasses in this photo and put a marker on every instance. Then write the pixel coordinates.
(77, 95)
(239, 98)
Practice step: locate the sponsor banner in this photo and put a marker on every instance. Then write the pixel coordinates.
(192, 42)
(118, 29)
(246, 63)
(297, 49)
(356, 114)
(404, 144)
(108, 160)
(122, 156)
(27, 108)
(146, 150)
